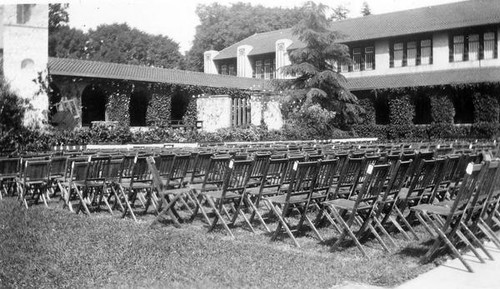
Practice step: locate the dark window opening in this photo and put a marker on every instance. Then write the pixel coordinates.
(179, 106)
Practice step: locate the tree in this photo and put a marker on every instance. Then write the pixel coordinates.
(319, 89)
(221, 26)
(67, 42)
(58, 16)
(365, 9)
(339, 13)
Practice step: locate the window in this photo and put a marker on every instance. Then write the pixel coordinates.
(259, 69)
(458, 48)
(369, 58)
(489, 45)
(411, 53)
(425, 52)
(264, 68)
(231, 69)
(223, 69)
(356, 59)
(23, 13)
(474, 46)
(268, 69)
(363, 58)
(398, 54)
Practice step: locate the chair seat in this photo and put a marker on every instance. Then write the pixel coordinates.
(346, 204)
(95, 183)
(218, 195)
(199, 187)
(433, 209)
(174, 191)
(138, 185)
(254, 182)
(281, 199)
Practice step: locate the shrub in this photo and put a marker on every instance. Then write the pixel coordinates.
(12, 108)
(484, 130)
(401, 113)
(117, 108)
(486, 108)
(158, 112)
(369, 114)
(371, 130)
(442, 109)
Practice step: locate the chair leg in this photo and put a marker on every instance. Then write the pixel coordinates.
(444, 238)
(256, 212)
(424, 223)
(487, 231)
(476, 241)
(346, 231)
(384, 231)
(399, 228)
(283, 224)
(218, 217)
(127, 203)
(403, 219)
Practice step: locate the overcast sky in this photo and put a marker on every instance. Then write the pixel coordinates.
(177, 18)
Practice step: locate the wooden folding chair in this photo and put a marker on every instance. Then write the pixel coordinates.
(363, 210)
(213, 180)
(236, 177)
(138, 187)
(57, 172)
(399, 174)
(348, 179)
(483, 201)
(274, 174)
(297, 197)
(9, 173)
(446, 220)
(111, 180)
(35, 180)
(260, 162)
(95, 183)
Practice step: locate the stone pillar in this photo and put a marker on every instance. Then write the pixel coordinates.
(244, 66)
(160, 106)
(272, 115)
(214, 111)
(208, 62)
(282, 58)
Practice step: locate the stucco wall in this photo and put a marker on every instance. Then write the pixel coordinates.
(25, 55)
(214, 111)
(266, 109)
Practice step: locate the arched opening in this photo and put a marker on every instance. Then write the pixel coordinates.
(138, 107)
(93, 105)
(422, 109)
(179, 106)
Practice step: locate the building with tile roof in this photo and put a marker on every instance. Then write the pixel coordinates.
(443, 45)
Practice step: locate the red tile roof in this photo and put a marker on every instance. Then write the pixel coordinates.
(456, 76)
(420, 20)
(95, 69)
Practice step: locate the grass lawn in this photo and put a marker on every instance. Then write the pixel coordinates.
(53, 248)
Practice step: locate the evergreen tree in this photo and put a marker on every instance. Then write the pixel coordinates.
(365, 10)
(319, 90)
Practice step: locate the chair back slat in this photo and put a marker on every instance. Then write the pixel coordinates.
(373, 185)
(237, 175)
(180, 167)
(58, 166)
(216, 171)
(97, 167)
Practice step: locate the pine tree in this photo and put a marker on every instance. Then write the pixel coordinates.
(319, 90)
(365, 10)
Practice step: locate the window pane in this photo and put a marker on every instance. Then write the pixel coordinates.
(398, 54)
(267, 69)
(224, 70)
(474, 47)
(489, 45)
(458, 48)
(232, 70)
(259, 69)
(425, 52)
(369, 58)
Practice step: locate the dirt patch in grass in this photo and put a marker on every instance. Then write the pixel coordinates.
(53, 248)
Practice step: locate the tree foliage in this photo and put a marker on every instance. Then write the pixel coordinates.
(58, 16)
(117, 43)
(221, 26)
(365, 9)
(339, 13)
(318, 83)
